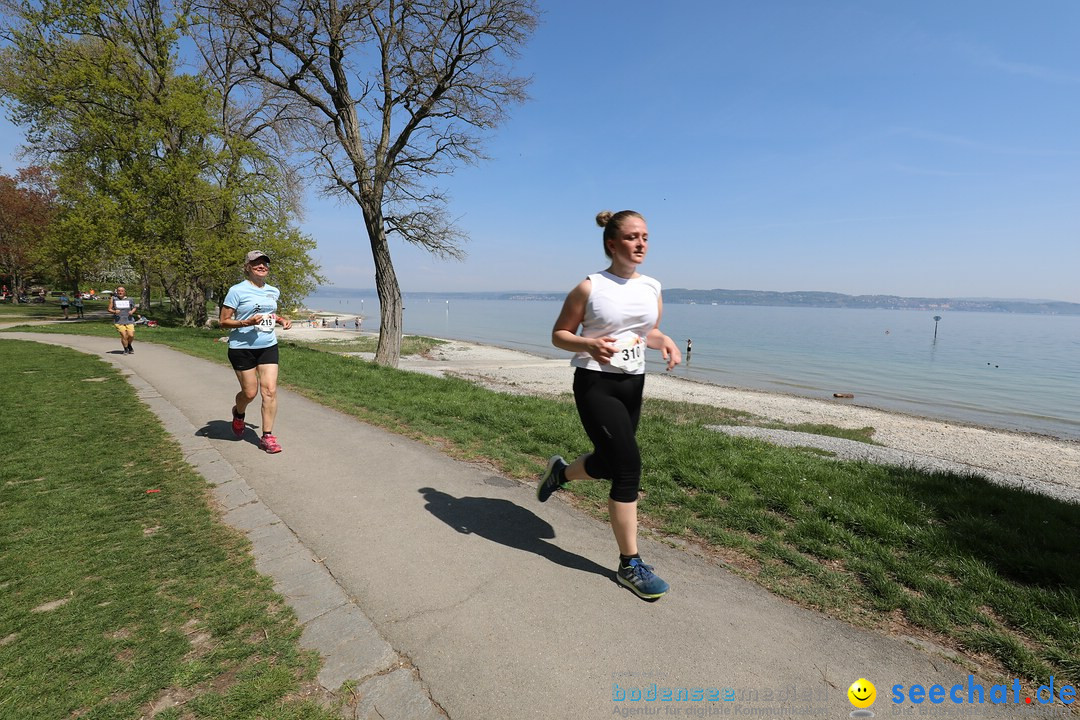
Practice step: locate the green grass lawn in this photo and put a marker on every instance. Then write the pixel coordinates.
(49, 310)
(987, 570)
(119, 590)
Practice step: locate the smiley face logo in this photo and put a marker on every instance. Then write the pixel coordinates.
(862, 693)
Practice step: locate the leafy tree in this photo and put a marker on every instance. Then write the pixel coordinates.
(383, 96)
(27, 210)
(148, 171)
(258, 183)
(96, 88)
(77, 249)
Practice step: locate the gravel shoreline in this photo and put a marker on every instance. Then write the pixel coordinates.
(1037, 462)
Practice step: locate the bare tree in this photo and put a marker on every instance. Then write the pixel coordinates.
(390, 94)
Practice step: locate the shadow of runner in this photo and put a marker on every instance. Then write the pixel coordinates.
(508, 524)
(222, 430)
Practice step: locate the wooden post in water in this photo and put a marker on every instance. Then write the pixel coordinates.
(937, 318)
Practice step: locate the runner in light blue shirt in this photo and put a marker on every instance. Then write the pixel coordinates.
(249, 311)
(248, 300)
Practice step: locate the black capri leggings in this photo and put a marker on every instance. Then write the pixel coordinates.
(609, 405)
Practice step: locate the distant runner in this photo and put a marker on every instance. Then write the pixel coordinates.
(123, 310)
(618, 311)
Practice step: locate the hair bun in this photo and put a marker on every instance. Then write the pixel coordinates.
(603, 217)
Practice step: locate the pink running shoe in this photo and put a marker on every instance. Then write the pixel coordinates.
(269, 443)
(237, 424)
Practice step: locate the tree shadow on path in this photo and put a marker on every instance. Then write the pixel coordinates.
(508, 524)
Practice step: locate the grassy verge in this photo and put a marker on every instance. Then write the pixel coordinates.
(984, 569)
(116, 602)
(685, 413)
(410, 344)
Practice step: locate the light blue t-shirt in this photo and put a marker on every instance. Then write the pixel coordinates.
(247, 299)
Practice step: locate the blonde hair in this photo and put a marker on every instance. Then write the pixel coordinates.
(612, 223)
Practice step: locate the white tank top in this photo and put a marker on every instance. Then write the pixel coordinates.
(626, 309)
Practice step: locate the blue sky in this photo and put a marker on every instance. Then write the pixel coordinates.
(916, 148)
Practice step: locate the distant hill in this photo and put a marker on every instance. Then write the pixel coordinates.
(810, 298)
(806, 298)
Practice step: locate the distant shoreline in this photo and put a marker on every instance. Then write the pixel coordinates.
(815, 352)
(768, 298)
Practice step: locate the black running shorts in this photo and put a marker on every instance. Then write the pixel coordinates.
(248, 358)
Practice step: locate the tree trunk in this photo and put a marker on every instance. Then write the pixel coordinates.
(388, 351)
(144, 295)
(194, 299)
(172, 293)
(192, 290)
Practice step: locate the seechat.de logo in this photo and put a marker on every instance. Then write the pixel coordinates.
(862, 695)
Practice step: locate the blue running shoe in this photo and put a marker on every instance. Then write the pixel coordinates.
(552, 479)
(639, 577)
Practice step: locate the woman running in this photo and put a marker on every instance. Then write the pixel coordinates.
(250, 311)
(618, 311)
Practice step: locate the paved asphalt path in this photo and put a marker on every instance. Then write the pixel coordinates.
(460, 593)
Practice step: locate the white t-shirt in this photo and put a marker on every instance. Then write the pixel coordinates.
(625, 309)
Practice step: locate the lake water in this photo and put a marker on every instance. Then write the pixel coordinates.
(1018, 372)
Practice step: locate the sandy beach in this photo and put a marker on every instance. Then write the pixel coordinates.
(1043, 463)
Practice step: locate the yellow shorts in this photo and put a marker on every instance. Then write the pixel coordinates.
(130, 327)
